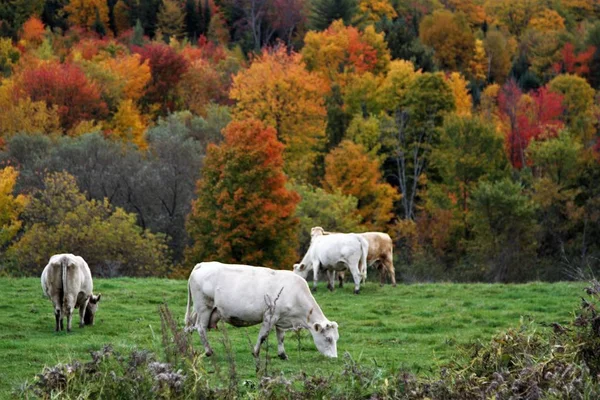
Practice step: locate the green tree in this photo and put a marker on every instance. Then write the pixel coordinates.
(335, 212)
(469, 150)
(578, 101)
(555, 191)
(244, 213)
(504, 226)
(410, 135)
(324, 12)
(59, 219)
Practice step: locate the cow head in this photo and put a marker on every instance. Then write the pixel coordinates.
(301, 269)
(326, 336)
(91, 309)
(317, 231)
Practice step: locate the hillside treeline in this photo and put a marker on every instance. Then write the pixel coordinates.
(149, 135)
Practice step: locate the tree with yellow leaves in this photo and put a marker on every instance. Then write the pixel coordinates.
(278, 90)
(450, 36)
(128, 125)
(478, 65)
(10, 206)
(547, 20)
(133, 72)
(85, 13)
(513, 14)
(24, 115)
(395, 84)
(462, 98)
(372, 11)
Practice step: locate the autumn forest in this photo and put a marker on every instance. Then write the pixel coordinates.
(149, 135)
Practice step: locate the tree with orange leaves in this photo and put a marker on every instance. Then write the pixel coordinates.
(244, 212)
(85, 13)
(33, 30)
(278, 90)
(350, 170)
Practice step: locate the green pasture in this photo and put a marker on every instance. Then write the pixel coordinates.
(415, 327)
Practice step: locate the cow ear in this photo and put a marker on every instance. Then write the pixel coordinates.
(301, 267)
(317, 327)
(334, 324)
(98, 297)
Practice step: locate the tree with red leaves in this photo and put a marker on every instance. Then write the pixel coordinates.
(534, 117)
(244, 212)
(66, 87)
(166, 68)
(574, 63)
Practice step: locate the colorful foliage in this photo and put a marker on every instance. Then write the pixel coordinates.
(350, 170)
(166, 68)
(279, 91)
(66, 87)
(451, 37)
(11, 206)
(344, 49)
(85, 13)
(244, 212)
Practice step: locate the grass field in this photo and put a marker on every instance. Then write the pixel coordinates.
(416, 327)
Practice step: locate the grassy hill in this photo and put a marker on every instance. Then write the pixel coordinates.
(416, 327)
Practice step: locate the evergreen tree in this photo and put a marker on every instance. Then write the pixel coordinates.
(324, 12)
(138, 34)
(98, 25)
(193, 19)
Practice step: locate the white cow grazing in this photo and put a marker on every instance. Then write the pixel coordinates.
(335, 253)
(243, 295)
(67, 281)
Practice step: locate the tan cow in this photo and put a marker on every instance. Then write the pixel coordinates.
(67, 281)
(381, 253)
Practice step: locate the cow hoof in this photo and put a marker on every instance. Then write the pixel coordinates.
(208, 353)
(330, 288)
(356, 291)
(283, 356)
(394, 285)
(314, 289)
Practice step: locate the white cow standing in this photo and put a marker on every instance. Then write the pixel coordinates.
(333, 253)
(244, 295)
(67, 281)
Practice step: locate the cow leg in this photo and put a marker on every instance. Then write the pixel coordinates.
(82, 308)
(341, 279)
(280, 349)
(315, 276)
(203, 324)
(330, 279)
(57, 312)
(382, 268)
(356, 277)
(389, 266)
(69, 317)
(58, 318)
(263, 334)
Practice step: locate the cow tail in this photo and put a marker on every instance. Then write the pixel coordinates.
(64, 265)
(190, 316)
(363, 258)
